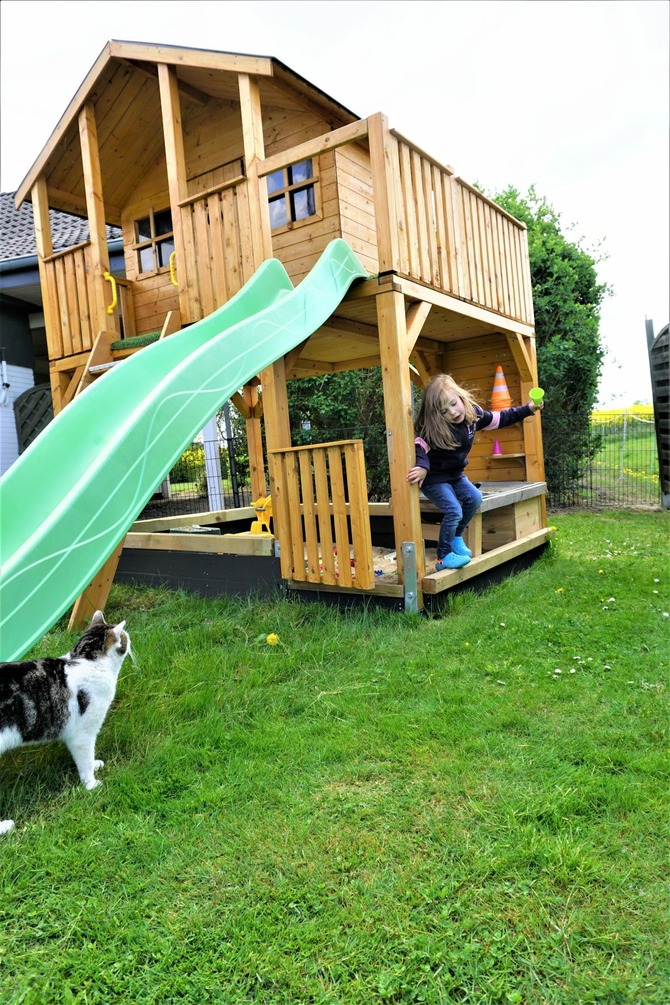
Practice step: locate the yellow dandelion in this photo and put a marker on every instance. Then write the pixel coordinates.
(272, 639)
(559, 590)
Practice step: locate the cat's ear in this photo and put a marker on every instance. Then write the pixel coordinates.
(98, 618)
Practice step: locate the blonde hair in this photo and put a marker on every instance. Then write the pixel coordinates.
(431, 424)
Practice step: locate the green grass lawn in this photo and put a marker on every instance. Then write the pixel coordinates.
(381, 808)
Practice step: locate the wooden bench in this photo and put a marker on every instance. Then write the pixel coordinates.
(509, 512)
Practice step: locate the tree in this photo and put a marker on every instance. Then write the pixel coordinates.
(344, 406)
(567, 298)
(335, 406)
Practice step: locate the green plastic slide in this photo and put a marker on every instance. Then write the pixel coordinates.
(69, 500)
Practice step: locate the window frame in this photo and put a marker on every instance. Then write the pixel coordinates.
(288, 189)
(152, 242)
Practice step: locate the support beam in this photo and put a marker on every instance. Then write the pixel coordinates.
(416, 319)
(399, 425)
(95, 209)
(250, 407)
(383, 161)
(273, 378)
(190, 305)
(96, 594)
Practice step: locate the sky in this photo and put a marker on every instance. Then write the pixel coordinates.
(571, 97)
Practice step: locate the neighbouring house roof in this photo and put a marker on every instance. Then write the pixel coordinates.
(17, 229)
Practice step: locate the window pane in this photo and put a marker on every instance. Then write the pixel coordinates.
(146, 257)
(143, 229)
(276, 181)
(163, 222)
(164, 249)
(302, 203)
(300, 172)
(278, 212)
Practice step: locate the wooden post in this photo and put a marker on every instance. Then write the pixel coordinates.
(383, 161)
(250, 408)
(190, 305)
(273, 378)
(44, 244)
(95, 209)
(394, 358)
(254, 153)
(96, 594)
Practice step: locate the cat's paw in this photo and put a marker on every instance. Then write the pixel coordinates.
(98, 764)
(6, 826)
(92, 783)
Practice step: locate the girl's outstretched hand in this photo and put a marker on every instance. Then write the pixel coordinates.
(535, 406)
(416, 475)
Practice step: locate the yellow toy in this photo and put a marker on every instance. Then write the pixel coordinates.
(261, 524)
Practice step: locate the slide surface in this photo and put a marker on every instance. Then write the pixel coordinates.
(69, 500)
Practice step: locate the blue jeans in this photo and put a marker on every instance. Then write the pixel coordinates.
(458, 502)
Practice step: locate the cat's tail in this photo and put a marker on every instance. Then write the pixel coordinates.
(6, 826)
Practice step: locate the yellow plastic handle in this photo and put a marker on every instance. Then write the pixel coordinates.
(110, 279)
(173, 269)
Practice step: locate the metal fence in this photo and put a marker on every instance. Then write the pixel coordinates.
(605, 463)
(610, 462)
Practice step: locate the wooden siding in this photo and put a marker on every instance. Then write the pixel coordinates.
(472, 363)
(356, 203)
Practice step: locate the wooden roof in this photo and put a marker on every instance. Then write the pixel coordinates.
(122, 85)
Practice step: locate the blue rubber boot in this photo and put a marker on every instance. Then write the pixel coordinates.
(459, 547)
(451, 561)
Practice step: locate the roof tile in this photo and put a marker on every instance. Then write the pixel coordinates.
(17, 230)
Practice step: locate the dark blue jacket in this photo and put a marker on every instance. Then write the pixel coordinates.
(448, 465)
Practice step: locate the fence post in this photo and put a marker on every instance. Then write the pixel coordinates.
(213, 465)
(623, 442)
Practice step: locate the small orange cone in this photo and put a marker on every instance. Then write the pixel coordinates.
(500, 398)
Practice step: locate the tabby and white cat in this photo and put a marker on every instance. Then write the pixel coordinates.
(64, 698)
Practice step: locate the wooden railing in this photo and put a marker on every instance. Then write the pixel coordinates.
(322, 519)
(431, 226)
(220, 259)
(69, 282)
(453, 238)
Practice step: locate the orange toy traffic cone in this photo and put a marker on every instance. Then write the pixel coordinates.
(500, 397)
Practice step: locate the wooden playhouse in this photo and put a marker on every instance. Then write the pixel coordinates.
(212, 162)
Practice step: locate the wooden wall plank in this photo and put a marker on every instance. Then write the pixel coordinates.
(337, 492)
(312, 562)
(323, 512)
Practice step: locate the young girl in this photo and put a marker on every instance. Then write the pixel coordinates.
(445, 431)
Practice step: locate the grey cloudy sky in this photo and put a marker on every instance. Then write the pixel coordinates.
(570, 96)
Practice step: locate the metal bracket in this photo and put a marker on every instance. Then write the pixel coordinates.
(410, 581)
